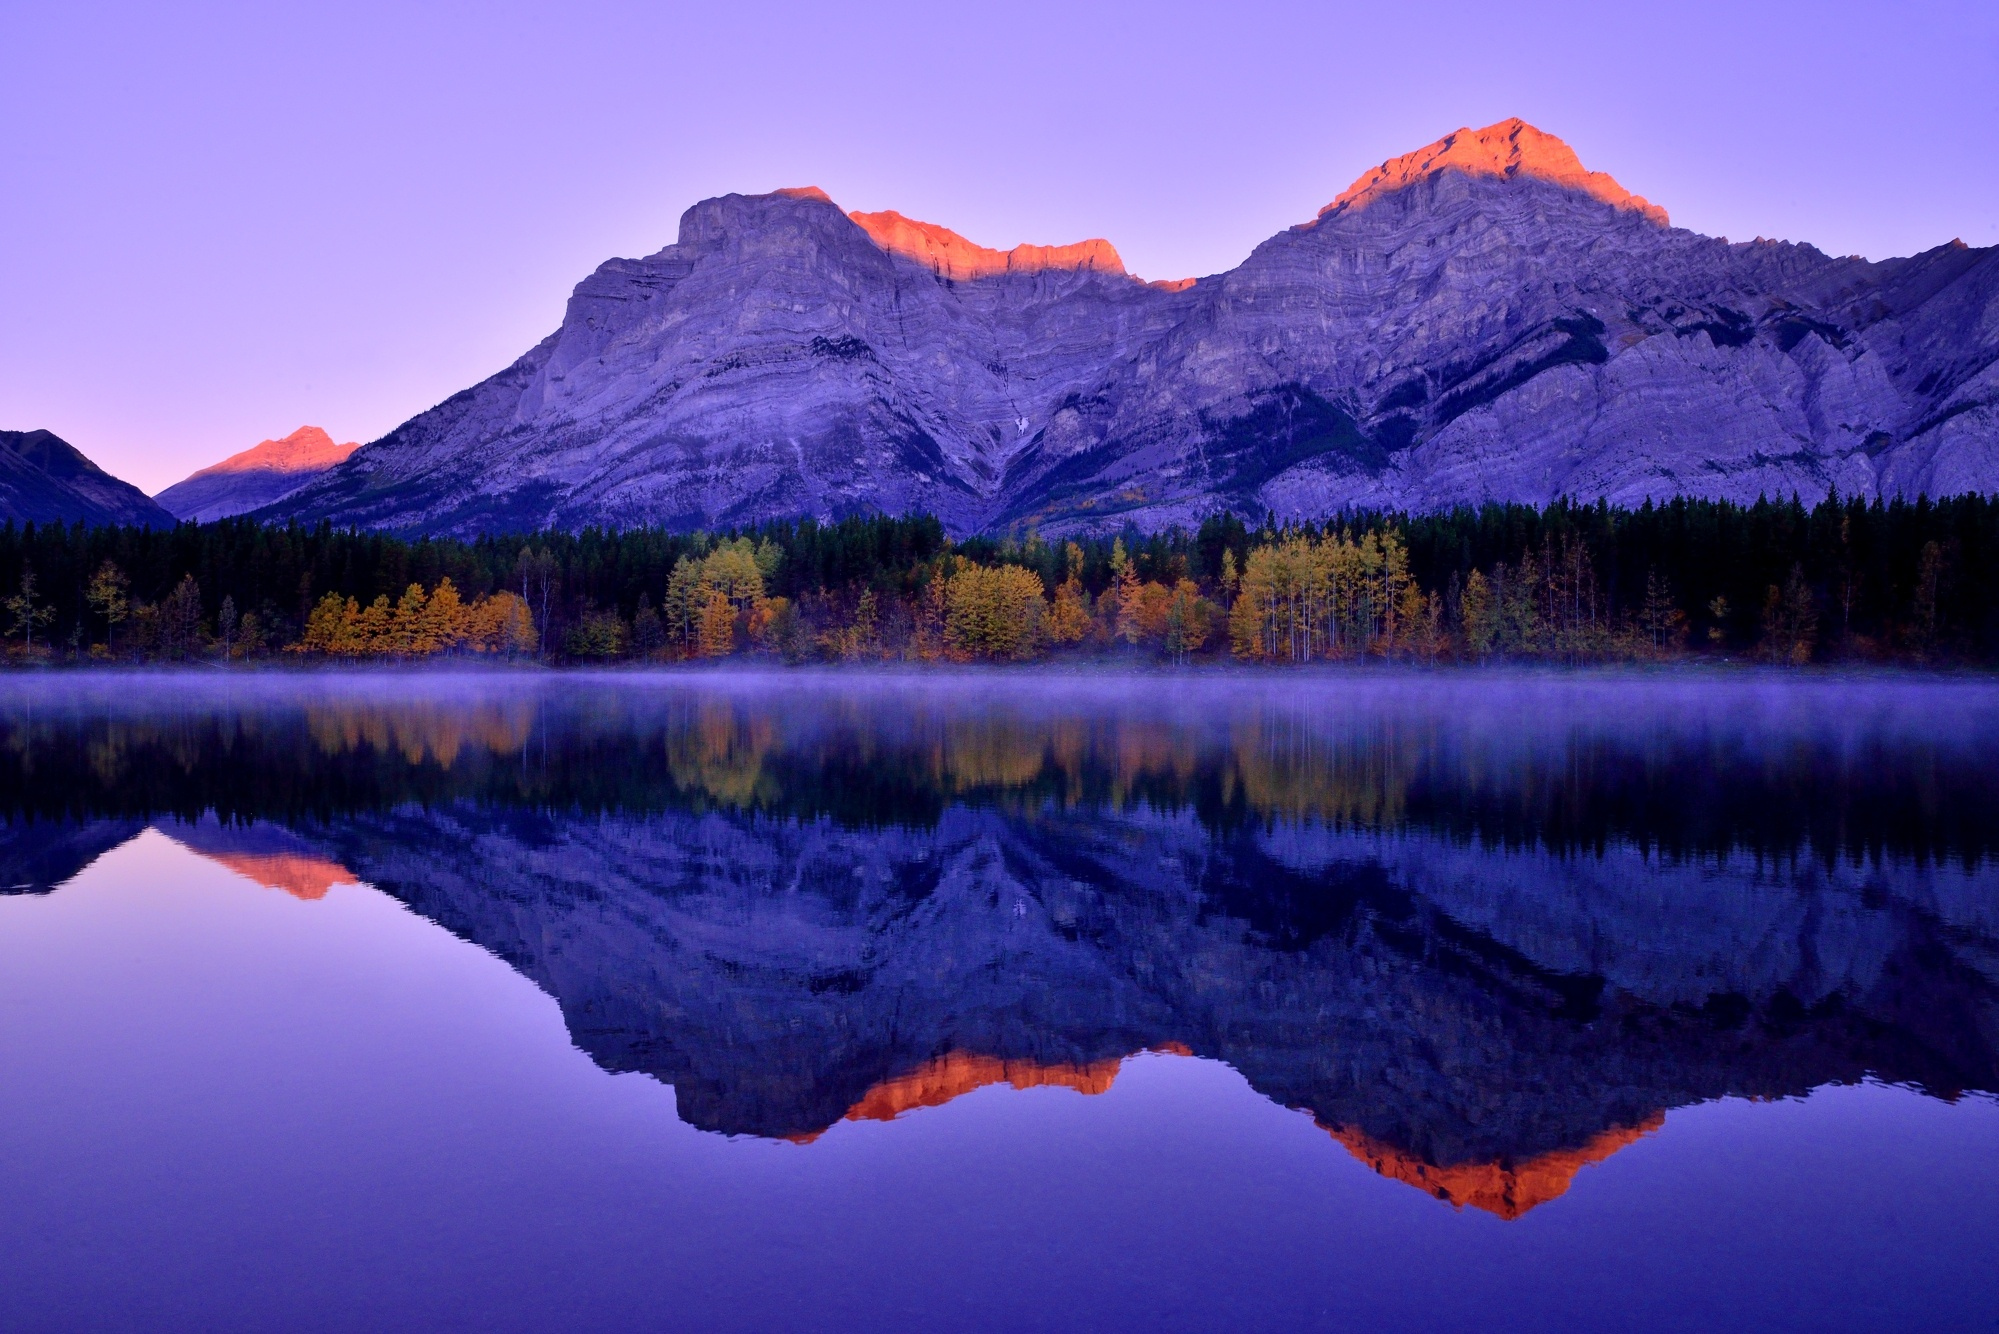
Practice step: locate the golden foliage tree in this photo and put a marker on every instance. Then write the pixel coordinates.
(994, 612)
(419, 625)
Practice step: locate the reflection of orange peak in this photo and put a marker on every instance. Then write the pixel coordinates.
(952, 256)
(1508, 150)
(953, 1074)
(1494, 1186)
(297, 874)
(308, 449)
(937, 1082)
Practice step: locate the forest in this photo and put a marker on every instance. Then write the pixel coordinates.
(1842, 581)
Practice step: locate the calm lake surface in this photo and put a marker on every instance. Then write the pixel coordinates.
(803, 1001)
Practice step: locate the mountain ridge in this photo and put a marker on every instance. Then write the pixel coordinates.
(45, 479)
(1483, 319)
(253, 478)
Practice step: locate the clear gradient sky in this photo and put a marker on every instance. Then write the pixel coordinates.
(219, 222)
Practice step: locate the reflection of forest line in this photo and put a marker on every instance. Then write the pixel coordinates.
(869, 762)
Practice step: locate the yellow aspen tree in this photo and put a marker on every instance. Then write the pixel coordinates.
(322, 626)
(932, 614)
(513, 628)
(716, 629)
(406, 623)
(372, 631)
(1478, 612)
(444, 617)
(1112, 602)
(1069, 622)
(1395, 582)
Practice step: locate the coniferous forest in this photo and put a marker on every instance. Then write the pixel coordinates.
(1844, 581)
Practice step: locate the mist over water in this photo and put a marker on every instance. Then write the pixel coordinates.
(1002, 1000)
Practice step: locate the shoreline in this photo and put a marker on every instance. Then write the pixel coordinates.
(1073, 670)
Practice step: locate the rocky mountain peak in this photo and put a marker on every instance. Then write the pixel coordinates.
(267, 471)
(1507, 325)
(1511, 150)
(45, 479)
(308, 449)
(952, 256)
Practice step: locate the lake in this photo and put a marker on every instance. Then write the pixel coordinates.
(998, 1001)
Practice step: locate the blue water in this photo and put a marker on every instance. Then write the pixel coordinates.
(699, 1003)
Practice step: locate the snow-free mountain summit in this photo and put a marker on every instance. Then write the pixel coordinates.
(254, 478)
(1482, 319)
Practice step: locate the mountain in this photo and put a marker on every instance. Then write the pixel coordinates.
(45, 479)
(1482, 319)
(254, 478)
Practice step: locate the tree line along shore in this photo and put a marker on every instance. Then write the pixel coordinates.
(1840, 581)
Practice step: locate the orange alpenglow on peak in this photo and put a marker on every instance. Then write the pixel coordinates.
(1509, 150)
(954, 1074)
(1499, 1188)
(952, 256)
(308, 449)
(957, 1073)
(297, 874)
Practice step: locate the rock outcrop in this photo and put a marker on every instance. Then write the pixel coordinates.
(1482, 319)
(254, 478)
(45, 479)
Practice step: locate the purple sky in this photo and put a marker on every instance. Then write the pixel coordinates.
(220, 222)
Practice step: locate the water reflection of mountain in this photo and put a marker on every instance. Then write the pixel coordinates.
(1479, 957)
(775, 971)
(36, 855)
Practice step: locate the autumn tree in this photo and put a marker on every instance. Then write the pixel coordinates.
(994, 612)
(1188, 621)
(1478, 615)
(1069, 621)
(27, 610)
(108, 596)
(859, 637)
(441, 626)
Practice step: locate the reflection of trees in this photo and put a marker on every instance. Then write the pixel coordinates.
(872, 758)
(433, 731)
(719, 752)
(1291, 771)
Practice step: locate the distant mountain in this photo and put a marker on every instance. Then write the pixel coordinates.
(256, 477)
(1482, 319)
(45, 479)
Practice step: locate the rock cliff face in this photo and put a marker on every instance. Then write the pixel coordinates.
(1481, 319)
(254, 478)
(45, 479)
